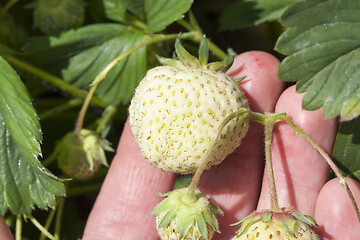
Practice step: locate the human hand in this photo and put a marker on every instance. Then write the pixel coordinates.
(238, 184)
(130, 189)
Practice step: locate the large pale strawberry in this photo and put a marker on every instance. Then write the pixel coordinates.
(285, 225)
(186, 215)
(177, 110)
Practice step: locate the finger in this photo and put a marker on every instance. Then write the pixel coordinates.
(234, 184)
(299, 170)
(334, 212)
(5, 233)
(128, 194)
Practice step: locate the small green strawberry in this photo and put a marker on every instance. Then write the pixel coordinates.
(177, 109)
(81, 157)
(285, 225)
(54, 16)
(186, 215)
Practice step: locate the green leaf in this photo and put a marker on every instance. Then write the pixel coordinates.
(271, 10)
(238, 15)
(79, 56)
(346, 152)
(135, 6)
(161, 13)
(115, 10)
(52, 17)
(24, 182)
(324, 48)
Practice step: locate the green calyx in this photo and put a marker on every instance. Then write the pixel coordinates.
(287, 219)
(186, 60)
(189, 209)
(88, 148)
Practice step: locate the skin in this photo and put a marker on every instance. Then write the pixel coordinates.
(238, 184)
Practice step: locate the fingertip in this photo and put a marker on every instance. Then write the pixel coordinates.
(5, 233)
(334, 212)
(261, 85)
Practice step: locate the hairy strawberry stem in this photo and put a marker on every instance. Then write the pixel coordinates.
(269, 126)
(242, 113)
(276, 117)
(327, 158)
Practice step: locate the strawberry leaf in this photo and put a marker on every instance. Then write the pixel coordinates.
(346, 152)
(271, 10)
(115, 10)
(24, 182)
(79, 56)
(238, 15)
(324, 48)
(135, 6)
(161, 13)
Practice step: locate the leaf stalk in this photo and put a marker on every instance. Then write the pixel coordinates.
(41, 228)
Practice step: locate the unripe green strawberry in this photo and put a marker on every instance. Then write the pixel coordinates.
(81, 157)
(177, 109)
(286, 225)
(186, 215)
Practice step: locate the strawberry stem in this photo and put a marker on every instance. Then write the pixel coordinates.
(41, 228)
(269, 126)
(327, 158)
(59, 214)
(242, 113)
(18, 231)
(48, 223)
(276, 117)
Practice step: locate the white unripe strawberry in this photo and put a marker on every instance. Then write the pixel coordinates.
(285, 225)
(186, 215)
(177, 109)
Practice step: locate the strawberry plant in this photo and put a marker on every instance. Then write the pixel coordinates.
(71, 71)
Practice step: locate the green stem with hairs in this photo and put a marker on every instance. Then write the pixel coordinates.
(269, 126)
(58, 82)
(101, 76)
(327, 158)
(205, 159)
(277, 117)
(41, 228)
